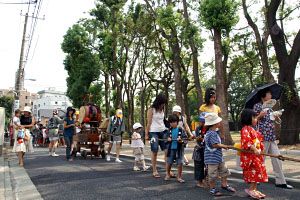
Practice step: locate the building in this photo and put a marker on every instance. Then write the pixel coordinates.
(48, 101)
(26, 98)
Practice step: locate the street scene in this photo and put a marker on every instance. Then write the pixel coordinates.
(145, 99)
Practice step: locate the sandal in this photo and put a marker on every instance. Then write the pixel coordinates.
(167, 178)
(228, 188)
(252, 193)
(215, 192)
(180, 181)
(260, 194)
(156, 175)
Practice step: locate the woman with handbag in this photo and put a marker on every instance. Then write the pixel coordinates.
(27, 121)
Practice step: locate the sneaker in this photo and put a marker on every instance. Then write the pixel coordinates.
(50, 153)
(136, 168)
(146, 167)
(54, 154)
(118, 160)
(107, 158)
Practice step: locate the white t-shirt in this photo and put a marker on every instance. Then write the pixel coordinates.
(157, 124)
(17, 120)
(138, 142)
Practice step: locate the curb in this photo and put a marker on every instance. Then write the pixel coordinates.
(235, 173)
(18, 184)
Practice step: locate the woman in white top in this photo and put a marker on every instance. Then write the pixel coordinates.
(156, 129)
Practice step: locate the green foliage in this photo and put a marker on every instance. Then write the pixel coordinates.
(7, 103)
(81, 63)
(218, 14)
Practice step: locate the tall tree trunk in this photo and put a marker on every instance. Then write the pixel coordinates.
(106, 94)
(195, 57)
(287, 66)
(261, 44)
(117, 103)
(221, 85)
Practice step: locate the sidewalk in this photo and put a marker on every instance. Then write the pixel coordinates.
(15, 183)
(291, 169)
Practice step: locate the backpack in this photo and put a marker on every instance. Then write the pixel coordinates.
(52, 123)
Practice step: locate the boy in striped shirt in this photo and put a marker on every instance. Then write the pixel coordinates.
(213, 156)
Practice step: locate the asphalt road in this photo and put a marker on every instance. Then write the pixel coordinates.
(55, 178)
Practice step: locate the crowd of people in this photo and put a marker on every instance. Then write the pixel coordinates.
(171, 135)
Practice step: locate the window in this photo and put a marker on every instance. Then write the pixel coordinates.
(56, 102)
(26, 104)
(32, 103)
(26, 97)
(39, 105)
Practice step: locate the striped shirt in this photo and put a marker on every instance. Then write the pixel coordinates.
(212, 155)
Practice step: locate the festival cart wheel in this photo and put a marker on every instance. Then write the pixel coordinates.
(84, 154)
(103, 154)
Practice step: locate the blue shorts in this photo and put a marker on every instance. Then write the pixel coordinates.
(162, 144)
(172, 158)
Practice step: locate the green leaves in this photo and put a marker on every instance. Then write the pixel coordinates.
(218, 14)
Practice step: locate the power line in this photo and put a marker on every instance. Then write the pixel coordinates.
(19, 2)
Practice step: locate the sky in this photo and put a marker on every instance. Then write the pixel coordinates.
(45, 60)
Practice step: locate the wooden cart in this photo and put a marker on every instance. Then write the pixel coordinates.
(90, 139)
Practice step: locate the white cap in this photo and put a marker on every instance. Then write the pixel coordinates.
(137, 125)
(212, 119)
(176, 109)
(27, 109)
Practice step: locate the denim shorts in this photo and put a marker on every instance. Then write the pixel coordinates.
(162, 144)
(172, 158)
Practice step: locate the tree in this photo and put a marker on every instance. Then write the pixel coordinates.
(81, 64)
(261, 42)
(287, 60)
(7, 103)
(219, 17)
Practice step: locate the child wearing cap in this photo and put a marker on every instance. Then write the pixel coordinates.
(198, 154)
(138, 147)
(213, 156)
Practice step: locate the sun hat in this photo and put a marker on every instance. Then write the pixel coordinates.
(137, 125)
(119, 113)
(212, 119)
(70, 108)
(176, 109)
(27, 109)
(201, 117)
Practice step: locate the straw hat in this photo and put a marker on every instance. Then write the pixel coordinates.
(27, 109)
(137, 125)
(212, 119)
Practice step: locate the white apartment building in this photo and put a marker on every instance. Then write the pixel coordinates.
(49, 100)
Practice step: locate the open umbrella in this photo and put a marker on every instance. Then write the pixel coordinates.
(252, 99)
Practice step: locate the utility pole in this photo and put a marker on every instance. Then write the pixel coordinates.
(20, 70)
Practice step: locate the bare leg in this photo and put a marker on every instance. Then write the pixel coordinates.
(135, 163)
(253, 186)
(168, 170)
(224, 181)
(179, 166)
(109, 148)
(51, 146)
(54, 145)
(144, 164)
(118, 147)
(20, 154)
(153, 161)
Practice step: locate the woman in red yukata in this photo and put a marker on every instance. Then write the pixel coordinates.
(254, 168)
